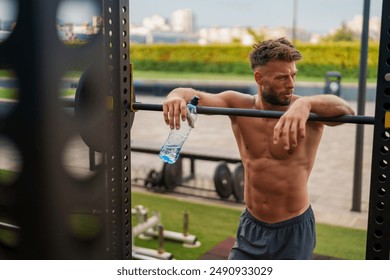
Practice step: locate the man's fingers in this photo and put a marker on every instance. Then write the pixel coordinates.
(286, 135)
(183, 111)
(281, 133)
(277, 132)
(294, 134)
(165, 113)
(286, 132)
(176, 115)
(289, 131)
(168, 113)
(173, 114)
(302, 129)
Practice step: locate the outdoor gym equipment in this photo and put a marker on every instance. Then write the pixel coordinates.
(150, 227)
(39, 127)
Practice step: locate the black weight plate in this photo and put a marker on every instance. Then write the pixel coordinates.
(89, 112)
(172, 174)
(238, 182)
(153, 179)
(223, 180)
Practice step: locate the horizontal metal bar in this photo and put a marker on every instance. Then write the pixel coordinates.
(260, 113)
(188, 155)
(8, 226)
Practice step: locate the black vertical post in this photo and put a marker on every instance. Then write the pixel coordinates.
(361, 103)
(118, 180)
(378, 231)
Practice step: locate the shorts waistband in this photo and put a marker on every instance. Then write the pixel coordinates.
(293, 221)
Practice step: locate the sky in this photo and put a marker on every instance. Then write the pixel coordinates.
(313, 15)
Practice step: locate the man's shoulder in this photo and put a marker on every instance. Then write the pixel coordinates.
(238, 99)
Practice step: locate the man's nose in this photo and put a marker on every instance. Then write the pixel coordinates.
(290, 82)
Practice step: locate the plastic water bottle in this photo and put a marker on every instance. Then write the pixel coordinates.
(170, 151)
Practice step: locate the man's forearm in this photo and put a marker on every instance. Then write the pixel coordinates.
(328, 105)
(185, 93)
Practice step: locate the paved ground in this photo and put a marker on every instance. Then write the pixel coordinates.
(331, 182)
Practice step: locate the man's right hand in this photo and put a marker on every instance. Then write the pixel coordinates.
(174, 109)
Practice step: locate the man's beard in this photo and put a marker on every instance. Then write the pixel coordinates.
(271, 97)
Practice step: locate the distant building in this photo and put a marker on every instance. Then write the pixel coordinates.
(173, 37)
(139, 34)
(83, 32)
(226, 35)
(97, 23)
(161, 37)
(183, 21)
(156, 22)
(156, 29)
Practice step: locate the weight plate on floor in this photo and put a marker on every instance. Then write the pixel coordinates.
(172, 174)
(153, 179)
(223, 180)
(238, 182)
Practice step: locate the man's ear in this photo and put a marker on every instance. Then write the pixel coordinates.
(258, 76)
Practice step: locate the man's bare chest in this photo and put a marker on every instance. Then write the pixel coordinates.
(255, 139)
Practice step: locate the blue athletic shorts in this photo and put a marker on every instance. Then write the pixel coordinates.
(293, 239)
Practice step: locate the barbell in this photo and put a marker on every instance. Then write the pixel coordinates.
(91, 137)
(260, 113)
(89, 108)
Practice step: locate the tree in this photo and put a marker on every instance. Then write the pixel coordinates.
(342, 34)
(257, 37)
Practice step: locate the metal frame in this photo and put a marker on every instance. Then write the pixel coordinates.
(378, 231)
(41, 200)
(44, 197)
(119, 180)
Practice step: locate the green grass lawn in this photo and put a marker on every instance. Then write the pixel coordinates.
(213, 224)
(210, 224)
(7, 93)
(6, 175)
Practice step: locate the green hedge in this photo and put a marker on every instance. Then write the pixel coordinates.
(317, 59)
(191, 66)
